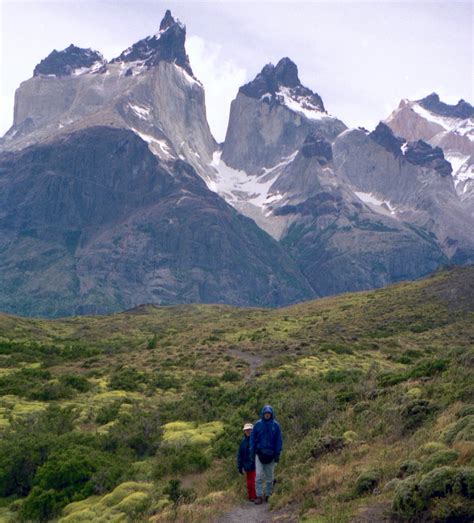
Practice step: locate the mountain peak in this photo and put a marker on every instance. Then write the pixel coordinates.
(67, 61)
(166, 45)
(268, 84)
(460, 110)
(418, 152)
(167, 21)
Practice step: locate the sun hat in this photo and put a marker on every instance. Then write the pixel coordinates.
(248, 426)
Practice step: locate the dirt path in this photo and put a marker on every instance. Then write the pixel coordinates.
(250, 513)
(253, 360)
(247, 513)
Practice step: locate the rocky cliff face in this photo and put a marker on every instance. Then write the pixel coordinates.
(450, 127)
(95, 223)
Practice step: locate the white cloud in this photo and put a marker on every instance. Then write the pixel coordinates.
(221, 78)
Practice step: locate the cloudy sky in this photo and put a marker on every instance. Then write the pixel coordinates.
(361, 57)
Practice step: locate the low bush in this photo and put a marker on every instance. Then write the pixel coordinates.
(438, 459)
(415, 496)
(180, 460)
(462, 430)
(415, 412)
(366, 482)
(408, 468)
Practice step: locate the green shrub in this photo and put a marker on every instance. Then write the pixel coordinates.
(366, 482)
(68, 475)
(135, 504)
(108, 413)
(74, 381)
(462, 430)
(438, 459)
(408, 468)
(408, 502)
(230, 375)
(452, 508)
(127, 378)
(428, 368)
(415, 412)
(181, 459)
(139, 430)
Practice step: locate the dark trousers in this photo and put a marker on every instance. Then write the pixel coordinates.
(251, 484)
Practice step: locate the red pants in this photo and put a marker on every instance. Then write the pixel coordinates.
(251, 484)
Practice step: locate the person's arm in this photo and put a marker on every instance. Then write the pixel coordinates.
(240, 464)
(279, 444)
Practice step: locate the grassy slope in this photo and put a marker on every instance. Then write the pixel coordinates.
(348, 367)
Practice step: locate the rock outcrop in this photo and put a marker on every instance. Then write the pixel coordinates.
(95, 223)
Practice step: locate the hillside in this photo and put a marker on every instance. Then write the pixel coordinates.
(374, 391)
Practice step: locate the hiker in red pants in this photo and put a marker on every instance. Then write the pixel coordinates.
(245, 463)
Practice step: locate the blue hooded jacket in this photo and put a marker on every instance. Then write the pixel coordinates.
(266, 440)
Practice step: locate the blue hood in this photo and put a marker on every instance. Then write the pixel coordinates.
(266, 408)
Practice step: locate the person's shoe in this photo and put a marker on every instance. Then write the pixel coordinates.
(252, 500)
(258, 500)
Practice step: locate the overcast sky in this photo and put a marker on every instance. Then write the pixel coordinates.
(361, 57)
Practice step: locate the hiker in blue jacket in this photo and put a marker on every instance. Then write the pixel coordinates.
(266, 443)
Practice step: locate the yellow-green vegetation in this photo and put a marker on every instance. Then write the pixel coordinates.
(137, 416)
(127, 501)
(186, 432)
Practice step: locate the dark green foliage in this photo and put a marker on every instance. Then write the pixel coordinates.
(26, 446)
(408, 502)
(68, 475)
(139, 430)
(181, 459)
(346, 376)
(75, 381)
(438, 459)
(415, 412)
(164, 380)
(408, 467)
(231, 375)
(177, 493)
(428, 368)
(127, 378)
(366, 482)
(108, 412)
(415, 496)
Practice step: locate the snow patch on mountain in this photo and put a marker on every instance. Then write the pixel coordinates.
(299, 104)
(238, 187)
(141, 111)
(156, 146)
(372, 200)
(462, 127)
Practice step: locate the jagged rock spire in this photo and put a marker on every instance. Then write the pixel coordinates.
(167, 21)
(433, 103)
(167, 45)
(272, 78)
(65, 62)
